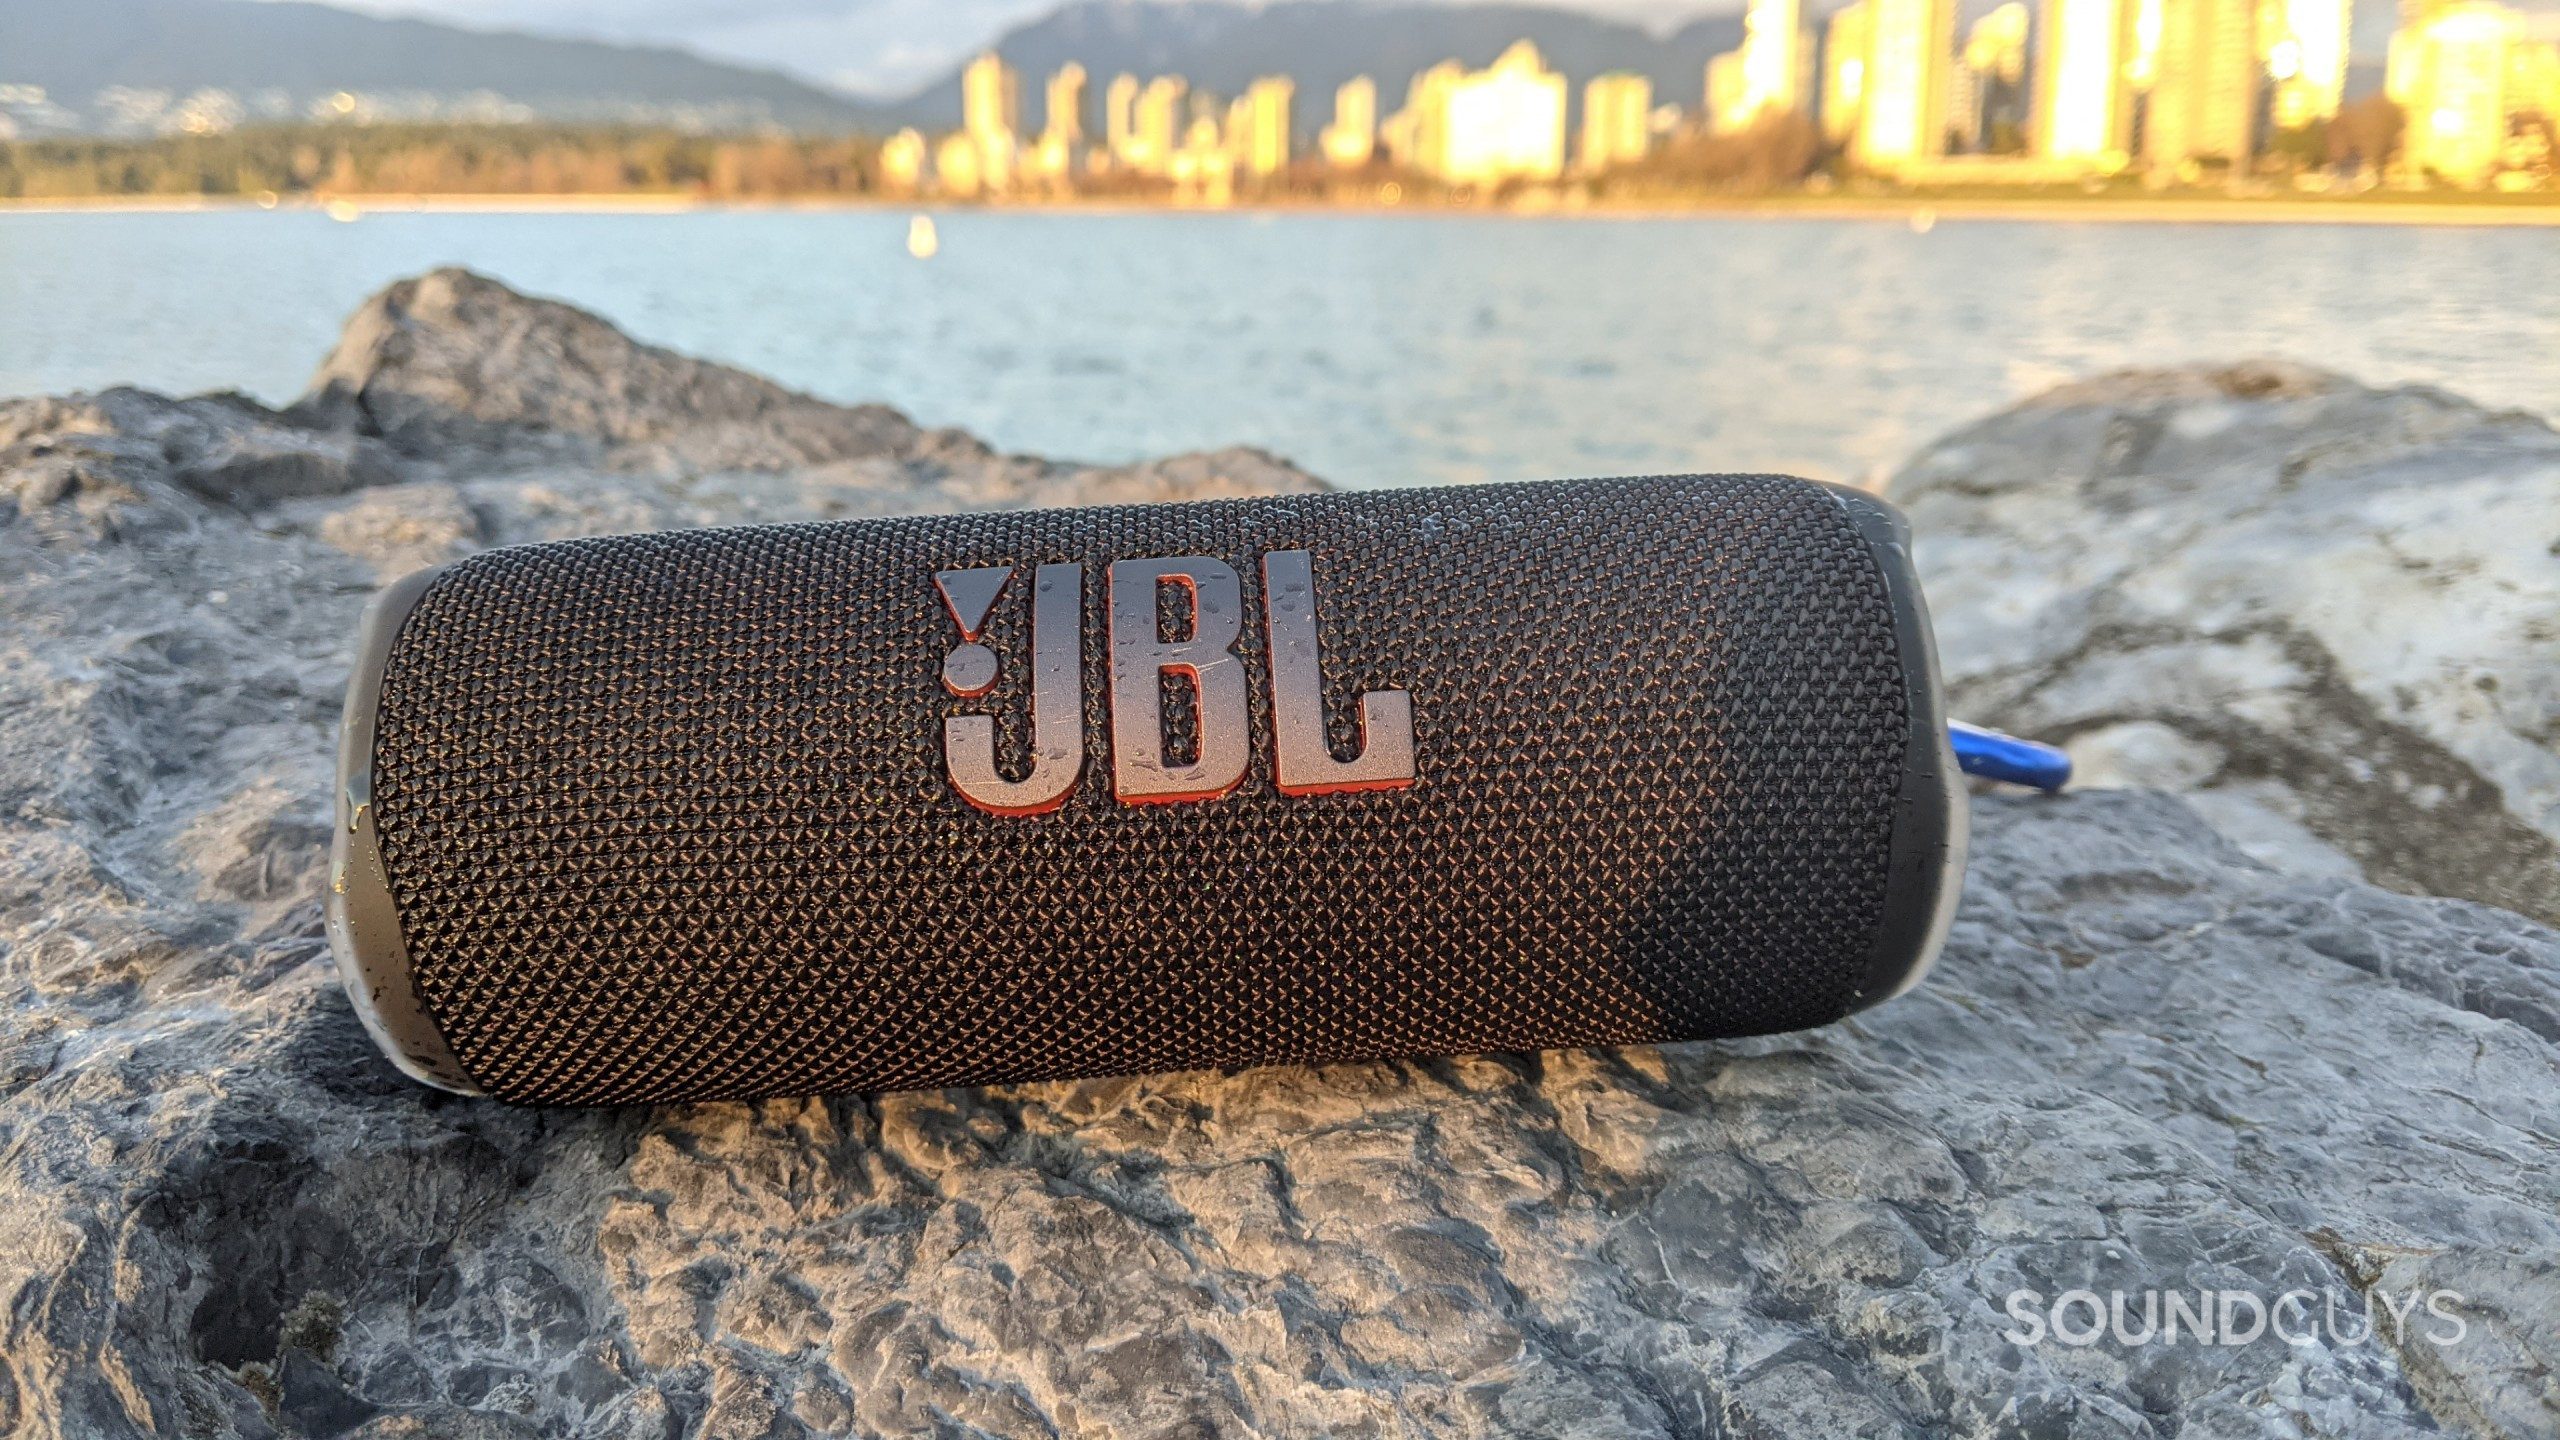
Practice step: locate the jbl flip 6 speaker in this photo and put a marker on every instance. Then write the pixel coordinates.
(893, 804)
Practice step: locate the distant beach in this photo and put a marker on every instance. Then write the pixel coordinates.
(1915, 207)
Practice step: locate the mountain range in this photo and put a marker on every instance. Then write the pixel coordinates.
(134, 65)
(1322, 43)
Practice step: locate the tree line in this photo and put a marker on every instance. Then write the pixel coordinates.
(325, 161)
(429, 159)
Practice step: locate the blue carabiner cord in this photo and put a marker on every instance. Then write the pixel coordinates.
(1995, 756)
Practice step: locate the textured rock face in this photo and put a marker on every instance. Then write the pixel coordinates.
(2144, 1062)
(2331, 611)
(454, 355)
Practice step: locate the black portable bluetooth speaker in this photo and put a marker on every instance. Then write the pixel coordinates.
(909, 803)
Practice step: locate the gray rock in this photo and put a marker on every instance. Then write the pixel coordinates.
(2145, 1061)
(2329, 611)
(453, 355)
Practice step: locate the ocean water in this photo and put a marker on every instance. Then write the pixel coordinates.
(1372, 349)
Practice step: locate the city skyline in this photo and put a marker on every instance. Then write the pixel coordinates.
(2178, 91)
(2239, 96)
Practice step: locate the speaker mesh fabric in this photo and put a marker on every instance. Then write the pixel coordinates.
(665, 816)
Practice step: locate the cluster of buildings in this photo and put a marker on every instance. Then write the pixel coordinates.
(1159, 129)
(2178, 89)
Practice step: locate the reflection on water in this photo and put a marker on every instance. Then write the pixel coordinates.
(1372, 349)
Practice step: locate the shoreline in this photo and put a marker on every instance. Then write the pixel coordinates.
(1917, 210)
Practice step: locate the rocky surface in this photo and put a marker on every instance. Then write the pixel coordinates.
(2328, 611)
(2145, 1061)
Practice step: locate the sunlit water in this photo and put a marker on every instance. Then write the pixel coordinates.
(1372, 349)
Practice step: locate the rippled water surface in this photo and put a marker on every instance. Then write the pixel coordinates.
(1372, 349)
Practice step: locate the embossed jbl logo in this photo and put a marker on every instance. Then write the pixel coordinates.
(1142, 772)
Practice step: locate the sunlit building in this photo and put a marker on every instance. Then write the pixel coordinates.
(1157, 125)
(1728, 89)
(991, 116)
(1203, 166)
(1986, 89)
(1065, 117)
(902, 158)
(1051, 158)
(958, 167)
(1506, 121)
(990, 97)
(1617, 120)
(1482, 127)
(1416, 137)
(2451, 75)
(1772, 58)
(1997, 43)
(2204, 99)
(2303, 44)
(1844, 72)
(1352, 138)
(2085, 72)
(1258, 126)
(1119, 117)
(1910, 44)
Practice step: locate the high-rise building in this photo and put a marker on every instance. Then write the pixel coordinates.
(1506, 121)
(990, 98)
(1417, 136)
(1120, 117)
(1772, 49)
(958, 165)
(1482, 127)
(1910, 46)
(902, 158)
(1258, 125)
(2451, 74)
(1844, 72)
(1617, 120)
(2303, 44)
(2204, 99)
(1065, 117)
(991, 117)
(1728, 94)
(1997, 43)
(1203, 166)
(1986, 89)
(1158, 124)
(2090, 55)
(1353, 136)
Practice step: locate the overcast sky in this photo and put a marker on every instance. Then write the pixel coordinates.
(885, 47)
(889, 47)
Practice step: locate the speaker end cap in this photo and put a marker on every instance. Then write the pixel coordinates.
(1933, 811)
(363, 918)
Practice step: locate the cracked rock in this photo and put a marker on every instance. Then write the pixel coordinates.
(2328, 611)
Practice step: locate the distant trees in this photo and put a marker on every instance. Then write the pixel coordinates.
(2301, 147)
(2366, 133)
(1775, 152)
(441, 160)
